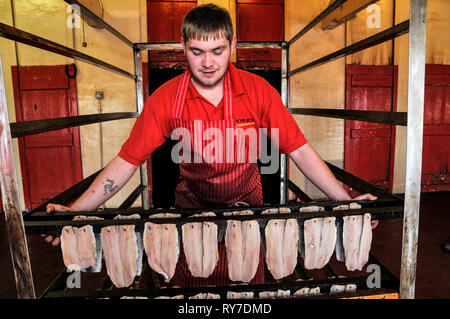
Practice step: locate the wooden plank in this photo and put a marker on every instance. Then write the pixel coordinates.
(11, 207)
(345, 12)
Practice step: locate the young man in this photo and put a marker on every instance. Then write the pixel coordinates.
(212, 96)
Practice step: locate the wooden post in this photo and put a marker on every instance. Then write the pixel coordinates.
(11, 207)
(414, 137)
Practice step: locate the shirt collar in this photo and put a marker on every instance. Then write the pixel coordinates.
(236, 84)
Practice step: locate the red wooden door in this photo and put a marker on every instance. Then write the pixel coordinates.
(260, 20)
(436, 130)
(369, 147)
(51, 161)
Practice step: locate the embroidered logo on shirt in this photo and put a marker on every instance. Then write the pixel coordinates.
(245, 122)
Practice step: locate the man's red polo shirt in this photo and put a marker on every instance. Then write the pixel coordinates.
(254, 101)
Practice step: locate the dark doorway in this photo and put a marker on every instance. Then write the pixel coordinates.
(165, 173)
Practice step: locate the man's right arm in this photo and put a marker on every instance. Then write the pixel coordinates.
(110, 180)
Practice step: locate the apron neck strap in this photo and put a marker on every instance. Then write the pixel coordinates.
(180, 98)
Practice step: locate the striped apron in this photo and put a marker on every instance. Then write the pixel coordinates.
(204, 183)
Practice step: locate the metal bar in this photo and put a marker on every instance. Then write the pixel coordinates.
(359, 184)
(395, 31)
(55, 226)
(59, 283)
(393, 118)
(297, 191)
(86, 12)
(20, 129)
(132, 197)
(14, 34)
(178, 46)
(68, 195)
(137, 57)
(414, 139)
(284, 160)
(336, 4)
(10, 197)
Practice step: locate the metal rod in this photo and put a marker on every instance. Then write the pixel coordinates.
(10, 197)
(284, 160)
(92, 16)
(20, 129)
(132, 197)
(336, 4)
(393, 118)
(297, 191)
(178, 46)
(414, 139)
(137, 57)
(14, 34)
(359, 184)
(378, 38)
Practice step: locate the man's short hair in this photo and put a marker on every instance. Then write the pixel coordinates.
(205, 21)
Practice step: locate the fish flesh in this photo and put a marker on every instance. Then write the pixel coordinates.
(161, 244)
(242, 242)
(205, 296)
(200, 246)
(319, 238)
(240, 295)
(274, 294)
(281, 238)
(354, 238)
(69, 248)
(81, 247)
(121, 250)
(365, 241)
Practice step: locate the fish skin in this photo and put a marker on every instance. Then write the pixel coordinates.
(351, 238)
(193, 247)
(365, 242)
(86, 247)
(339, 247)
(312, 228)
(327, 241)
(128, 253)
(290, 246)
(251, 247)
(233, 244)
(210, 247)
(69, 248)
(111, 252)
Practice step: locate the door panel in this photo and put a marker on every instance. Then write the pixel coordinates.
(51, 161)
(369, 147)
(436, 130)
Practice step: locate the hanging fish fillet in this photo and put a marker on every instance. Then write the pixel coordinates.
(327, 241)
(69, 248)
(121, 251)
(162, 246)
(354, 237)
(365, 242)
(281, 237)
(81, 248)
(200, 246)
(242, 241)
(240, 295)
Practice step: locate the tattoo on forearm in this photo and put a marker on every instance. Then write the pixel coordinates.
(109, 186)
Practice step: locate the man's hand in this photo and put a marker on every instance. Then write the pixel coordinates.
(369, 197)
(55, 208)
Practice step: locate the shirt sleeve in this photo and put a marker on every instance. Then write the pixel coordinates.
(276, 117)
(149, 131)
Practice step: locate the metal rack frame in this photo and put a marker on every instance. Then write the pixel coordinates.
(416, 26)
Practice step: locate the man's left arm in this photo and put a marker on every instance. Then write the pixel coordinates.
(315, 169)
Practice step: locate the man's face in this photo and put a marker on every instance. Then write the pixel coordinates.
(208, 60)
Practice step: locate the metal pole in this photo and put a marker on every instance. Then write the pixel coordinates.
(416, 92)
(285, 98)
(140, 106)
(11, 207)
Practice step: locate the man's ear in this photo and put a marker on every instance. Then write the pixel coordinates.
(233, 44)
(183, 45)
